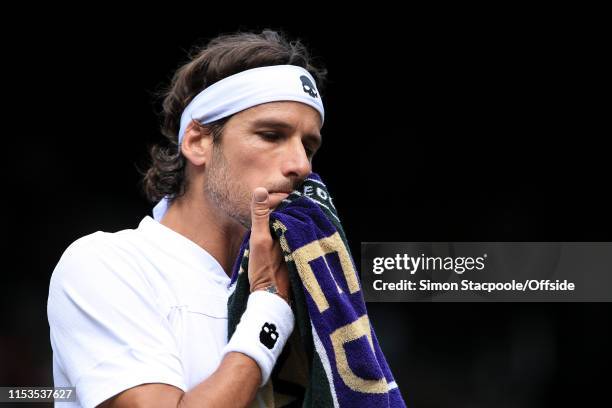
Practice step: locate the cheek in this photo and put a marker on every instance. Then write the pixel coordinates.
(254, 163)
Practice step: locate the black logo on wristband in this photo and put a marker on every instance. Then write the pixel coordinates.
(268, 335)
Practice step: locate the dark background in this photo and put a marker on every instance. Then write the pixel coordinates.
(436, 130)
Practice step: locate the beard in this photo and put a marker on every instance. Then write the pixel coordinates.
(226, 191)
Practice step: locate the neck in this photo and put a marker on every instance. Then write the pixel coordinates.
(204, 224)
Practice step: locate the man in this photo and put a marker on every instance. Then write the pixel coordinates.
(138, 318)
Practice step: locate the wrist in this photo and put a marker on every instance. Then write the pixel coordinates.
(262, 332)
(271, 288)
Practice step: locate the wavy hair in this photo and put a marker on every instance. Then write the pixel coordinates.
(221, 57)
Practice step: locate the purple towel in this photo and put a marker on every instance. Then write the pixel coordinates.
(333, 358)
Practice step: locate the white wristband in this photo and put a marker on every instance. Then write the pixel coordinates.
(264, 328)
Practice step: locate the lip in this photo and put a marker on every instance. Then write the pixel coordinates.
(276, 198)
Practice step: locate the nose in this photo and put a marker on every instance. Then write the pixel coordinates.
(296, 163)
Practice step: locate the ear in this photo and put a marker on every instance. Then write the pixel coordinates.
(197, 143)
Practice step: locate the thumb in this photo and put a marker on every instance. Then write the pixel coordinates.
(260, 212)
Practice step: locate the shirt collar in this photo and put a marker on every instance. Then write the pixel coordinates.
(184, 247)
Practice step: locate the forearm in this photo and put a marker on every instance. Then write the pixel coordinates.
(249, 356)
(233, 384)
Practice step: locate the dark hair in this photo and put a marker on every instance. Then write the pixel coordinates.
(221, 57)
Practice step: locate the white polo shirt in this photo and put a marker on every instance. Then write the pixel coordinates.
(136, 306)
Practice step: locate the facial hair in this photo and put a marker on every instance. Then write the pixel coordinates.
(226, 191)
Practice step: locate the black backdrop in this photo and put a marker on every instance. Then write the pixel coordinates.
(435, 131)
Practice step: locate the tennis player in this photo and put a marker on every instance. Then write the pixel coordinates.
(138, 318)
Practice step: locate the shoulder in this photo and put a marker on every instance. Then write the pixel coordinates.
(98, 257)
(97, 275)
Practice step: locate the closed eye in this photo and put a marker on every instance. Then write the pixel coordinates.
(273, 136)
(270, 135)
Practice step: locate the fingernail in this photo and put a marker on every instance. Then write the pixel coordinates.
(260, 195)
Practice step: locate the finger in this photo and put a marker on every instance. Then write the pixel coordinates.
(260, 212)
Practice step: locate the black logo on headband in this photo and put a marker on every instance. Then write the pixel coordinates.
(308, 86)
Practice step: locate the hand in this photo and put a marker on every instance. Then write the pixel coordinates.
(266, 263)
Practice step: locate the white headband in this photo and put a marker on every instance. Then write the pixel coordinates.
(249, 88)
(245, 90)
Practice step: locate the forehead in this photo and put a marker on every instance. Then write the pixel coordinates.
(293, 113)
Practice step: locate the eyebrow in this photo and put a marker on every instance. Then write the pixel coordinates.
(279, 124)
